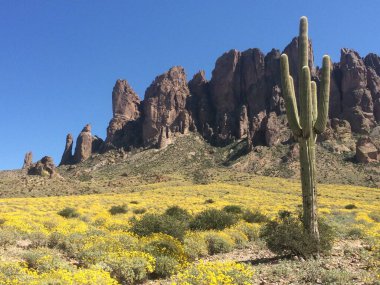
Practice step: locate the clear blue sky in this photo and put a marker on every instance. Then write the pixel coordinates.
(59, 59)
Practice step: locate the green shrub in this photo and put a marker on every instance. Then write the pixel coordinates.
(130, 267)
(355, 233)
(139, 211)
(134, 202)
(210, 201)
(350, 206)
(212, 219)
(178, 213)
(38, 239)
(121, 209)
(218, 242)
(153, 223)
(233, 209)
(165, 266)
(286, 235)
(211, 272)
(239, 238)
(254, 217)
(168, 252)
(44, 260)
(69, 213)
(195, 245)
(8, 237)
(250, 230)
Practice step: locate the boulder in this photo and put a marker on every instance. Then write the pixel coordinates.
(43, 167)
(366, 151)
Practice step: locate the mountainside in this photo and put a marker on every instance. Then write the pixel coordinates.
(243, 99)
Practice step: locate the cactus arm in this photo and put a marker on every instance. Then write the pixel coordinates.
(314, 100)
(289, 96)
(323, 102)
(307, 112)
(303, 41)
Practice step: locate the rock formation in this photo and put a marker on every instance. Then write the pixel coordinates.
(165, 105)
(242, 100)
(43, 167)
(356, 98)
(366, 151)
(67, 156)
(123, 128)
(28, 160)
(83, 147)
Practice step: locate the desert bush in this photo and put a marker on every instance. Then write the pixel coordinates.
(44, 260)
(215, 273)
(209, 201)
(218, 242)
(8, 237)
(162, 244)
(212, 219)
(355, 233)
(153, 223)
(233, 209)
(120, 209)
(129, 267)
(69, 212)
(139, 211)
(375, 216)
(168, 252)
(254, 217)
(165, 266)
(178, 213)
(239, 238)
(195, 245)
(286, 235)
(70, 244)
(14, 273)
(252, 231)
(38, 239)
(350, 206)
(134, 202)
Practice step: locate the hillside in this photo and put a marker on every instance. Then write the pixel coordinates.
(189, 160)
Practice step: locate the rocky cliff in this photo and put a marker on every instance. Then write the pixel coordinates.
(243, 99)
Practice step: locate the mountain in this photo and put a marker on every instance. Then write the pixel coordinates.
(243, 99)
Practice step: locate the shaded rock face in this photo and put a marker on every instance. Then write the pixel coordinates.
(199, 103)
(165, 106)
(28, 160)
(275, 130)
(83, 147)
(43, 167)
(366, 151)
(124, 128)
(67, 156)
(357, 99)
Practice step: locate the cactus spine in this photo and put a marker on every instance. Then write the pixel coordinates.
(310, 121)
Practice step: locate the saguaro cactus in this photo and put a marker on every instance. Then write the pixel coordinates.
(310, 121)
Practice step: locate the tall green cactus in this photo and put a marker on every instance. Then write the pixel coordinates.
(310, 121)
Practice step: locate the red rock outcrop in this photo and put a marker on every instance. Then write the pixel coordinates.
(165, 106)
(356, 98)
(83, 147)
(366, 151)
(43, 167)
(122, 130)
(67, 156)
(28, 160)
